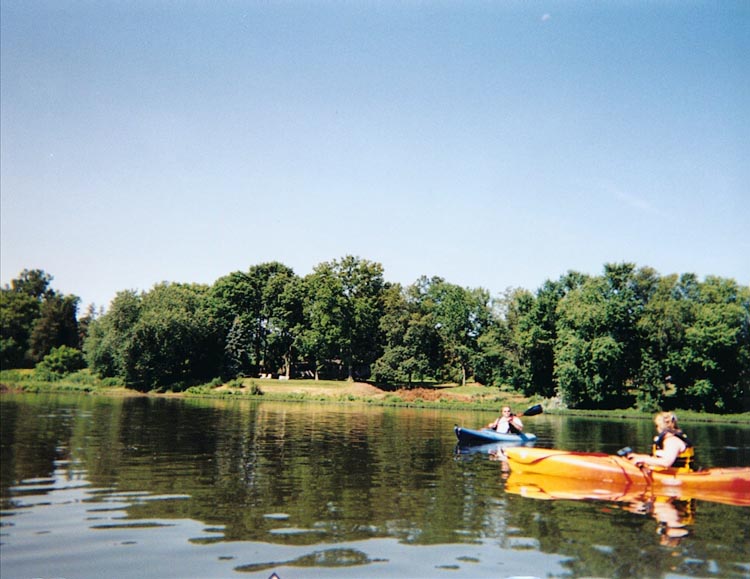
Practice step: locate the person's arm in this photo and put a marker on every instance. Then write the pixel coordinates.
(673, 446)
(515, 421)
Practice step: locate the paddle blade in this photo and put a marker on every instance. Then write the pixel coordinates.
(533, 411)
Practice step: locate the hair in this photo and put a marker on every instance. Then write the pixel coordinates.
(665, 420)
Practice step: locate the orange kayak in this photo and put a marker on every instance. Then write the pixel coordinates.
(599, 475)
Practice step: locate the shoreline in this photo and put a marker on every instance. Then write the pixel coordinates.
(453, 397)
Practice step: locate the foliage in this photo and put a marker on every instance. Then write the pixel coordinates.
(18, 312)
(343, 306)
(109, 336)
(626, 338)
(461, 316)
(159, 338)
(412, 350)
(59, 362)
(56, 325)
(34, 319)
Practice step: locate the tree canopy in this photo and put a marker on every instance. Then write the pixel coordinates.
(626, 337)
(34, 319)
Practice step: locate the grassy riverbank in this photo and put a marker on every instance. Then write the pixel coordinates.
(449, 396)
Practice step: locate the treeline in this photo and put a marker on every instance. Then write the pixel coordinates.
(627, 337)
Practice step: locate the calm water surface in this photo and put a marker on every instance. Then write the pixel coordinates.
(99, 487)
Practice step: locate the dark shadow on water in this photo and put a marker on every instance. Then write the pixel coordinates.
(326, 558)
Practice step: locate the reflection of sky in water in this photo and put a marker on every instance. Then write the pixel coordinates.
(62, 527)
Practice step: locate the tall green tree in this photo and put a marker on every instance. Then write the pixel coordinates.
(323, 314)
(586, 355)
(461, 316)
(164, 337)
(496, 364)
(251, 301)
(713, 367)
(174, 340)
(286, 320)
(343, 307)
(412, 348)
(661, 329)
(279, 314)
(18, 312)
(597, 352)
(34, 318)
(85, 320)
(696, 333)
(57, 325)
(393, 364)
(534, 324)
(110, 336)
(237, 357)
(363, 285)
(33, 282)
(233, 301)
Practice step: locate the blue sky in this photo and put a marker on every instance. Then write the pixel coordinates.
(494, 144)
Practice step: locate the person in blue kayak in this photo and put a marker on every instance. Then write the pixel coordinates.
(672, 448)
(507, 422)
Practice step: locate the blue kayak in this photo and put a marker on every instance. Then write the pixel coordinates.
(467, 436)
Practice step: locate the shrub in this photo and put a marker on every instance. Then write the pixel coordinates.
(112, 382)
(59, 363)
(236, 383)
(84, 377)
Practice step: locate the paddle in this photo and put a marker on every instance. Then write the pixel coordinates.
(625, 452)
(533, 411)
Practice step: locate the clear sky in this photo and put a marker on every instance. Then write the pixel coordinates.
(494, 144)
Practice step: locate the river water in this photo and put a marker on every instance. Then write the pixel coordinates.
(155, 487)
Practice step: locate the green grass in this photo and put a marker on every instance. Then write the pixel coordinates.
(82, 381)
(335, 391)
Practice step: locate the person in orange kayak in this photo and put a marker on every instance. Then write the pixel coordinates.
(671, 449)
(507, 422)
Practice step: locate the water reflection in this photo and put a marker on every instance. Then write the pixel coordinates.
(673, 514)
(63, 527)
(156, 487)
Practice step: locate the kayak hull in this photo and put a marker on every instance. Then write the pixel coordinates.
(469, 437)
(559, 472)
(492, 449)
(547, 487)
